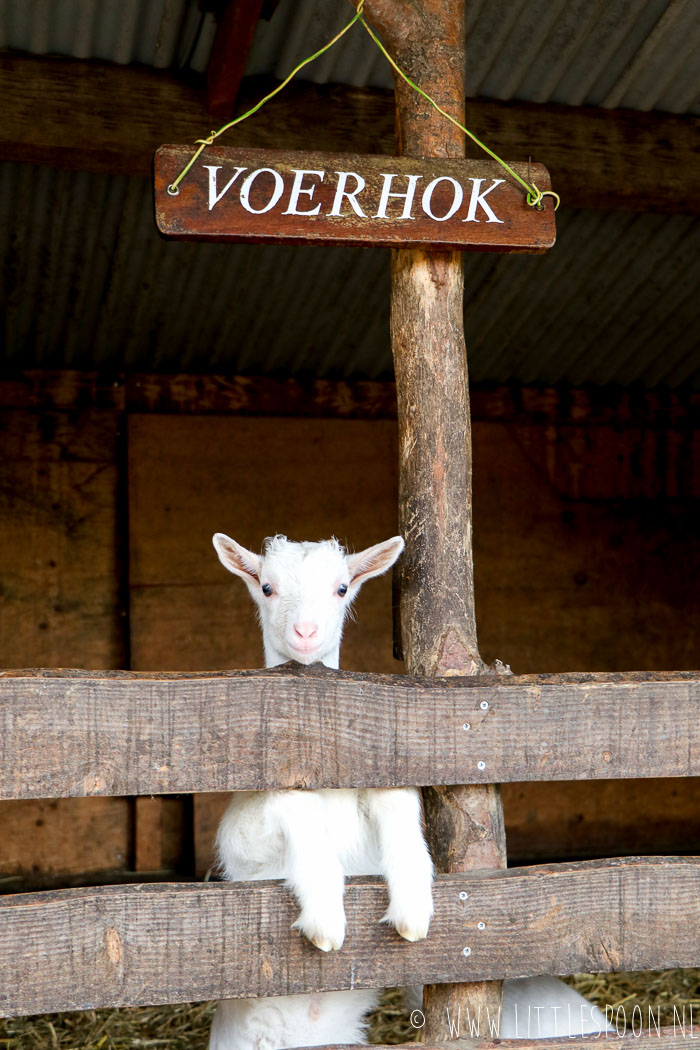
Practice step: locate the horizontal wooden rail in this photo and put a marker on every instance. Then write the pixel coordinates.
(66, 733)
(117, 946)
(671, 1038)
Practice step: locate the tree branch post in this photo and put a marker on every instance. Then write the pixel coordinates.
(438, 624)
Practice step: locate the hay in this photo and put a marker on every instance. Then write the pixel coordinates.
(669, 994)
(182, 1027)
(186, 1026)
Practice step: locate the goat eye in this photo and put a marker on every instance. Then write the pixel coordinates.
(267, 589)
(343, 590)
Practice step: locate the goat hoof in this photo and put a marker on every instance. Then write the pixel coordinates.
(323, 944)
(327, 937)
(412, 933)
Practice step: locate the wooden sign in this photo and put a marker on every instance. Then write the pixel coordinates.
(275, 197)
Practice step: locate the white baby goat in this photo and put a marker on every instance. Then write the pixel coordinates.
(313, 839)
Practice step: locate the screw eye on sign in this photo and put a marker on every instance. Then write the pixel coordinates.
(280, 197)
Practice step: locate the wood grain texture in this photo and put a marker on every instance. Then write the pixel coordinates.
(60, 597)
(90, 116)
(671, 1038)
(464, 825)
(362, 399)
(59, 555)
(83, 734)
(117, 946)
(48, 839)
(260, 206)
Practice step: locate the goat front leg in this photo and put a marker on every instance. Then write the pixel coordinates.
(312, 868)
(404, 859)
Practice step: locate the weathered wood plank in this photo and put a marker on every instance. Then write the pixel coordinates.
(76, 733)
(285, 197)
(45, 840)
(114, 946)
(671, 1038)
(60, 602)
(364, 399)
(90, 116)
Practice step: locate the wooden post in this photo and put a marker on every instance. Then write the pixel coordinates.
(465, 824)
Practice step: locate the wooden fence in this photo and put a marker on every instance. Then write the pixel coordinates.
(75, 733)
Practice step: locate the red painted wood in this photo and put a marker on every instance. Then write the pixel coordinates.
(282, 205)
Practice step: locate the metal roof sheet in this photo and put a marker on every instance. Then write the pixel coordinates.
(88, 282)
(599, 52)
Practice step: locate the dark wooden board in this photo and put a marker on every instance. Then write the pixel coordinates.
(270, 202)
(90, 734)
(671, 1038)
(363, 399)
(60, 596)
(90, 116)
(129, 945)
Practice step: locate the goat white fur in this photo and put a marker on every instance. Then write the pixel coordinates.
(313, 839)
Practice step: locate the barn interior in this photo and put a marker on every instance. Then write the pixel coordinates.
(153, 392)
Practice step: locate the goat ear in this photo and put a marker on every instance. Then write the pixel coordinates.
(237, 559)
(373, 561)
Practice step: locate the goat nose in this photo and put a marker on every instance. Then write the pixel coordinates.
(306, 629)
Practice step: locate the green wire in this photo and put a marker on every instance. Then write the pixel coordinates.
(534, 196)
(173, 188)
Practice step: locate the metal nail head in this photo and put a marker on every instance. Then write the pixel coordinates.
(466, 951)
(484, 705)
(481, 765)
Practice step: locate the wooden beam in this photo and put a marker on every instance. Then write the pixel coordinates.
(132, 945)
(122, 733)
(232, 44)
(92, 116)
(188, 393)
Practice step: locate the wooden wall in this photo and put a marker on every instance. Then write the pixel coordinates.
(60, 602)
(586, 558)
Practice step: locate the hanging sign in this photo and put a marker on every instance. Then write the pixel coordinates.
(280, 197)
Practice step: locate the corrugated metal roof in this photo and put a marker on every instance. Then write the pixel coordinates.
(87, 282)
(600, 52)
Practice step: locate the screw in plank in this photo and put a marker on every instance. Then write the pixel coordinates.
(481, 765)
(466, 951)
(463, 895)
(481, 925)
(484, 705)
(467, 725)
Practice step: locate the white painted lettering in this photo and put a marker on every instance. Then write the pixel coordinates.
(477, 199)
(297, 188)
(351, 195)
(276, 193)
(456, 200)
(215, 197)
(407, 196)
